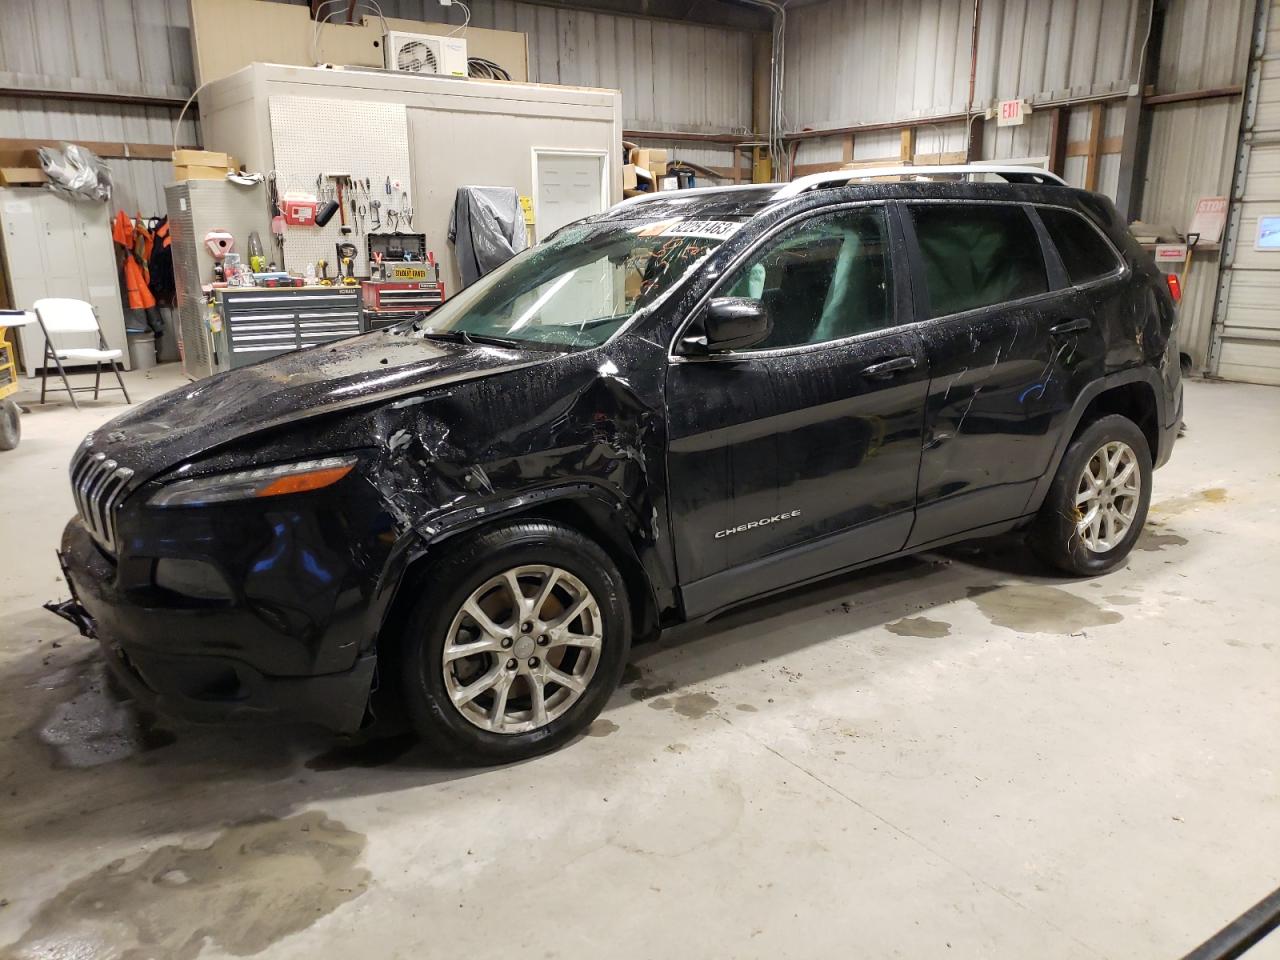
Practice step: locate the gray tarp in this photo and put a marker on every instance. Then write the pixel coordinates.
(486, 229)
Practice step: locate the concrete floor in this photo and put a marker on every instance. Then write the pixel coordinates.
(951, 756)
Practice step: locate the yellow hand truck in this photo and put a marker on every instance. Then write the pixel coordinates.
(10, 424)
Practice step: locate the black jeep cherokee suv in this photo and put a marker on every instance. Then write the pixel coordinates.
(662, 411)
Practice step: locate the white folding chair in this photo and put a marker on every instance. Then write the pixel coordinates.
(64, 315)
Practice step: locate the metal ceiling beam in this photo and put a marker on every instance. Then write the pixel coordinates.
(716, 13)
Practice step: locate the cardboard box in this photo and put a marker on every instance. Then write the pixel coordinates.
(659, 167)
(201, 158)
(628, 176)
(657, 156)
(199, 173)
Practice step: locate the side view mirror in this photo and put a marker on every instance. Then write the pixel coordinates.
(732, 323)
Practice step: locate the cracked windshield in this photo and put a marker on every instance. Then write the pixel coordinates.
(578, 288)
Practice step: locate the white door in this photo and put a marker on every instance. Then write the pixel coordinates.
(1246, 332)
(568, 186)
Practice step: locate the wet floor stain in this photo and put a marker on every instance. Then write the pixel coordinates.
(1120, 600)
(746, 708)
(1152, 540)
(644, 692)
(630, 674)
(695, 705)
(1176, 505)
(602, 728)
(692, 705)
(919, 627)
(255, 884)
(369, 753)
(93, 726)
(1030, 608)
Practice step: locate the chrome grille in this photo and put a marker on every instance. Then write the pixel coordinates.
(98, 485)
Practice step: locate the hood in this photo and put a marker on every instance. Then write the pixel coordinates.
(369, 369)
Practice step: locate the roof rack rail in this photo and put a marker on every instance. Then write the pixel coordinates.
(794, 188)
(687, 192)
(1012, 174)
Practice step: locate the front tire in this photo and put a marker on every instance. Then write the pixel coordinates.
(1096, 507)
(516, 643)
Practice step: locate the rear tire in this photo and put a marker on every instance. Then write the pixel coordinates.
(480, 707)
(1096, 507)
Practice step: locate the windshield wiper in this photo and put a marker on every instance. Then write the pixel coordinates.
(471, 339)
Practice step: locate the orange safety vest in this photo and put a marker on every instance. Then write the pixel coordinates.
(135, 277)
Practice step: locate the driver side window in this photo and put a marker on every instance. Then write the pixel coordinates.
(824, 279)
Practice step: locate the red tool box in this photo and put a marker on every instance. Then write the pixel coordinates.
(390, 301)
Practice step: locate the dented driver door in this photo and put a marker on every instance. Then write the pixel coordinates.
(799, 456)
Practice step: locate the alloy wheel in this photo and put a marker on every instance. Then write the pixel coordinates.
(522, 649)
(1107, 496)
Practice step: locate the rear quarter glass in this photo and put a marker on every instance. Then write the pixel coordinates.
(1085, 252)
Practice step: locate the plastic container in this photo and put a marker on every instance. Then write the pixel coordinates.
(142, 350)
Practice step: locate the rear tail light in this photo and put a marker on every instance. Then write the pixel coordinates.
(1175, 287)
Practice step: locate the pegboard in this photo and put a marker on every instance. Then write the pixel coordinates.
(313, 136)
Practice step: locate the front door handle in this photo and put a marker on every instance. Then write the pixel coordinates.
(1071, 326)
(889, 367)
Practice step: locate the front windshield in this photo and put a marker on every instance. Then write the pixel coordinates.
(581, 286)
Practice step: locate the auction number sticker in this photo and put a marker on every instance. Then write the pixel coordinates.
(711, 229)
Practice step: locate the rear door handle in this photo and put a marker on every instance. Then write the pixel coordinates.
(889, 367)
(1071, 326)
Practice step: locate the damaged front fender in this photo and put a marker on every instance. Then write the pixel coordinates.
(579, 438)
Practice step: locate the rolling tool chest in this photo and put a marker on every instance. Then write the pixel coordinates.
(390, 301)
(258, 323)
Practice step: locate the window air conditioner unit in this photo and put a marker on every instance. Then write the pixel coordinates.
(425, 54)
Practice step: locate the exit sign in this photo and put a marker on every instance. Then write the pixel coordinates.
(1010, 113)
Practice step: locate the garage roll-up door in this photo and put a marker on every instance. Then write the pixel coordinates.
(1246, 343)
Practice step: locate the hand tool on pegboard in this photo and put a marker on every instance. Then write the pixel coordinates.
(328, 206)
(340, 181)
(277, 213)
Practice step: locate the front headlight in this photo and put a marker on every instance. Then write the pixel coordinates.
(250, 484)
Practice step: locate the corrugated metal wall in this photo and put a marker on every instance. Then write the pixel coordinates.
(110, 46)
(1193, 145)
(873, 61)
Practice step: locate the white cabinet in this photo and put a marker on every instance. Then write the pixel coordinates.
(54, 247)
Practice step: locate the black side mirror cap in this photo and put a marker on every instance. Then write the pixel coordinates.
(729, 323)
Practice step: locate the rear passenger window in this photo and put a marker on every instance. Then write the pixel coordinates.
(976, 255)
(1085, 254)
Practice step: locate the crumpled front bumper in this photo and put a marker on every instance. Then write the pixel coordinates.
(200, 688)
